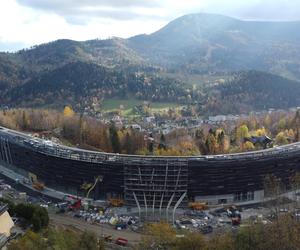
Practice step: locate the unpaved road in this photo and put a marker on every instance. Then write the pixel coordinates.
(103, 229)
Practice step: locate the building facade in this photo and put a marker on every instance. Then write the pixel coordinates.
(148, 181)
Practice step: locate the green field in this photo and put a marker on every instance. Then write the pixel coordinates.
(129, 104)
(113, 104)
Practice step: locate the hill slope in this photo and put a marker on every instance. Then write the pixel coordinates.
(252, 90)
(80, 72)
(197, 43)
(81, 84)
(205, 42)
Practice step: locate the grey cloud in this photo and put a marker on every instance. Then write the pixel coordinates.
(57, 4)
(78, 18)
(268, 10)
(285, 10)
(78, 9)
(79, 12)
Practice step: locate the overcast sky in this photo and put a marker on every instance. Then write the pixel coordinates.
(24, 23)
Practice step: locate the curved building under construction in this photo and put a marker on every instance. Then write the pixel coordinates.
(149, 181)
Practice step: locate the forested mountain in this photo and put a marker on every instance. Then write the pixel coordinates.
(83, 83)
(252, 90)
(197, 44)
(111, 53)
(207, 43)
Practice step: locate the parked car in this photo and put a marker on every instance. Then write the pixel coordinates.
(122, 242)
(121, 226)
(206, 229)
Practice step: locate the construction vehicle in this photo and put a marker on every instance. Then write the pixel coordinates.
(88, 187)
(198, 206)
(234, 214)
(98, 179)
(38, 186)
(35, 183)
(115, 202)
(236, 220)
(76, 205)
(73, 202)
(120, 226)
(122, 241)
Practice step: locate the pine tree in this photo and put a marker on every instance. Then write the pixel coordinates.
(296, 125)
(211, 143)
(128, 144)
(200, 141)
(114, 138)
(162, 143)
(150, 144)
(24, 121)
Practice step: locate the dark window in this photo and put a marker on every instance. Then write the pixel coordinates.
(222, 201)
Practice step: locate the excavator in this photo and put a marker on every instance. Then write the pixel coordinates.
(35, 183)
(115, 202)
(198, 206)
(88, 187)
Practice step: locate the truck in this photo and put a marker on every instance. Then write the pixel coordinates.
(73, 202)
(122, 241)
(199, 206)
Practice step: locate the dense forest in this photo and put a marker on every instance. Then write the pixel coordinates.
(81, 83)
(252, 90)
(84, 84)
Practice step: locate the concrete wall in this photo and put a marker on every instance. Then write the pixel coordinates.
(216, 199)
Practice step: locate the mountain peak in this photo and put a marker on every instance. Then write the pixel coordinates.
(202, 16)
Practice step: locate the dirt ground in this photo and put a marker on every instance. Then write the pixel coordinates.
(100, 230)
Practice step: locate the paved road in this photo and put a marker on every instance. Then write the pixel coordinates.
(104, 229)
(48, 192)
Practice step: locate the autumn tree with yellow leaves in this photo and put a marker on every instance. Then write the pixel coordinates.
(68, 111)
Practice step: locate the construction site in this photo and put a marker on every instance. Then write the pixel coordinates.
(148, 186)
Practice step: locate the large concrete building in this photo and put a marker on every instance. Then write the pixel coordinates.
(150, 181)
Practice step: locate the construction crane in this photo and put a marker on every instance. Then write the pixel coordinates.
(98, 179)
(86, 186)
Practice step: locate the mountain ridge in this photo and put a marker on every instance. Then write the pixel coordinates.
(193, 45)
(200, 43)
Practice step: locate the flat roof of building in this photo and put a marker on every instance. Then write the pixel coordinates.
(50, 148)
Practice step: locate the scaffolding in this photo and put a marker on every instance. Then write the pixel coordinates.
(153, 184)
(5, 153)
(53, 149)
(156, 186)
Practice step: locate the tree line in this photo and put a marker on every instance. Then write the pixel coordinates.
(86, 132)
